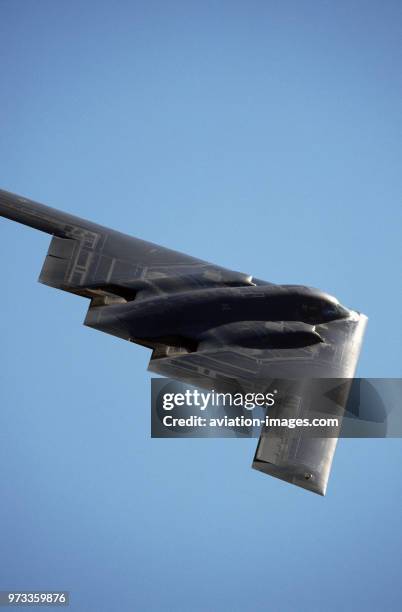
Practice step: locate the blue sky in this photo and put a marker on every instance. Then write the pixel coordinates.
(263, 136)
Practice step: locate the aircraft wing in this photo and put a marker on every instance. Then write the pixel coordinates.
(88, 259)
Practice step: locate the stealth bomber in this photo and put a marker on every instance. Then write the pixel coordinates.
(206, 325)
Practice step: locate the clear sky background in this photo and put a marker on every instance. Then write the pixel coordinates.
(263, 136)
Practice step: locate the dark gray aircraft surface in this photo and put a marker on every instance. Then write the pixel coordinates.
(206, 325)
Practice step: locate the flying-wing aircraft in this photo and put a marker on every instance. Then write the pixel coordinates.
(206, 325)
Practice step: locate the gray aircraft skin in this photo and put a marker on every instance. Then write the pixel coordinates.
(206, 325)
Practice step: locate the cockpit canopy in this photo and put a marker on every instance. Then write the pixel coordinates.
(321, 308)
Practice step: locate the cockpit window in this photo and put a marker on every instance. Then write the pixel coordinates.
(335, 311)
(330, 310)
(321, 311)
